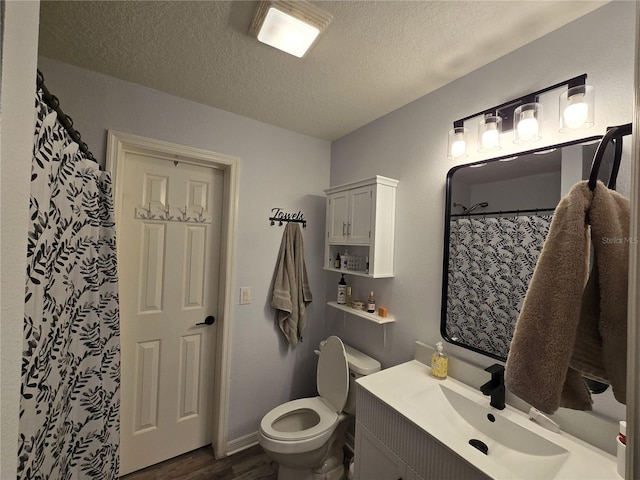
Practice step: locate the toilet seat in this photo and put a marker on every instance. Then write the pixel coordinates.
(326, 419)
(307, 418)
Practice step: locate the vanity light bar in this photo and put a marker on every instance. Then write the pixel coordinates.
(524, 116)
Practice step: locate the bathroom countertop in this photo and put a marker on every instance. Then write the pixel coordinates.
(395, 385)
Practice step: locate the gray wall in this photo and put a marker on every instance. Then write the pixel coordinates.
(19, 49)
(410, 144)
(278, 168)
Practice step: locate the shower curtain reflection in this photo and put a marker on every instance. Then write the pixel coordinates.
(491, 262)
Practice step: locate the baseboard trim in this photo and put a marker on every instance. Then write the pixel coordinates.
(242, 443)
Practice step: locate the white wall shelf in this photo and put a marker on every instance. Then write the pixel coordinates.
(372, 317)
(357, 273)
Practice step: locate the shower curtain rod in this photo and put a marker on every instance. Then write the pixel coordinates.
(65, 120)
(501, 212)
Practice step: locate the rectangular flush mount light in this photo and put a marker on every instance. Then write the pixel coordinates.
(290, 26)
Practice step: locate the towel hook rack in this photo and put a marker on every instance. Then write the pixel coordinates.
(614, 134)
(280, 216)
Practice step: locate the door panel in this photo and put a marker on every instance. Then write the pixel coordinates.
(147, 377)
(338, 212)
(169, 257)
(360, 215)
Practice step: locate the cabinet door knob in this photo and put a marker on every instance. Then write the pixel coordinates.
(344, 224)
(349, 228)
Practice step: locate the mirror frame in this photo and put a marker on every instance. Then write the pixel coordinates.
(447, 232)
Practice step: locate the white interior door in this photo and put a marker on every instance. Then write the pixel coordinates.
(168, 231)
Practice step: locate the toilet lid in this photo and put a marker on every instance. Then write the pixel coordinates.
(333, 374)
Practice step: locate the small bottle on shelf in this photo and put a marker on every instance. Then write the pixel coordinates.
(371, 303)
(349, 298)
(337, 262)
(342, 291)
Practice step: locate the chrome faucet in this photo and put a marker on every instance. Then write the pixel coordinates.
(495, 386)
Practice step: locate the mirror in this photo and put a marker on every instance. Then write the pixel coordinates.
(497, 216)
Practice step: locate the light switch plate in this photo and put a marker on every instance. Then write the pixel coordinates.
(245, 295)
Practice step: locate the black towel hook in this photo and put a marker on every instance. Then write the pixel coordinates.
(614, 134)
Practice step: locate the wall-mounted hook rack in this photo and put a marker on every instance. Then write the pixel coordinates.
(281, 216)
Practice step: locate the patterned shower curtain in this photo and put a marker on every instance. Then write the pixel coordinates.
(70, 394)
(491, 262)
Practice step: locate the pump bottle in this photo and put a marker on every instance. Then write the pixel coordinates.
(439, 362)
(342, 291)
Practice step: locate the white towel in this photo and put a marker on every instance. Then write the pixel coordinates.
(290, 289)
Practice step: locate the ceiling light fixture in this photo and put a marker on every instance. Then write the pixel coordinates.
(290, 26)
(524, 116)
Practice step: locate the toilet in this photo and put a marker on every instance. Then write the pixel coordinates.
(306, 436)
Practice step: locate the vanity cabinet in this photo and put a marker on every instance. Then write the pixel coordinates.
(361, 221)
(391, 447)
(378, 461)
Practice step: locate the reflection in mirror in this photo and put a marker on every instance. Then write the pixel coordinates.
(498, 214)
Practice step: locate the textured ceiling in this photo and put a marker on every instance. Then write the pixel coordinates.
(373, 58)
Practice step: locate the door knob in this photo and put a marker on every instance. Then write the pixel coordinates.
(208, 321)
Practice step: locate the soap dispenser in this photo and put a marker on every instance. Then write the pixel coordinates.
(439, 362)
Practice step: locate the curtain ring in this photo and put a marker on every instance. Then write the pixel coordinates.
(75, 135)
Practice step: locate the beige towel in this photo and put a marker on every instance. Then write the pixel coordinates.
(565, 329)
(290, 288)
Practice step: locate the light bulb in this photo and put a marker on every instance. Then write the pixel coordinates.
(489, 130)
(458, 148)
(528, 126)
(576, 113)
(490, 137)
(577, 107)
(457, 143)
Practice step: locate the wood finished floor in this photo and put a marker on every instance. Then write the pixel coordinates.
(201, 464)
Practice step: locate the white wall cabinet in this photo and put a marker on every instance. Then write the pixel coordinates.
(361, 221)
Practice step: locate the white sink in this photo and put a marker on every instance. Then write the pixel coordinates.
(524, 453)
(453, 414)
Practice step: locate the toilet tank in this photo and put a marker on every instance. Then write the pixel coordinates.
(359, 365)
